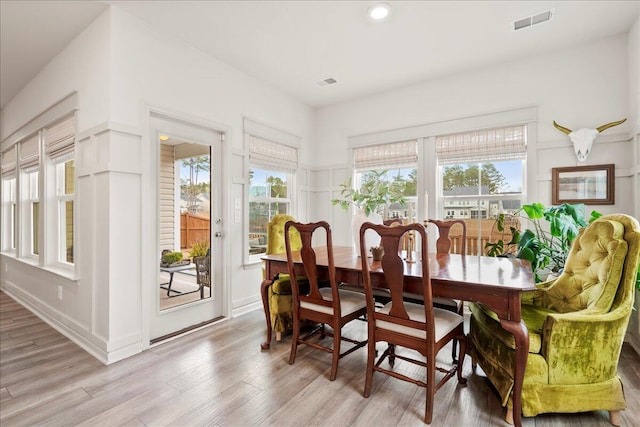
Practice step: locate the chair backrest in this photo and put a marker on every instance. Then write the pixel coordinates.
(393, 268)
(443, 244)
(600, 267)
(392, 221)
(275, 235)
(308, 258)
(203, 270)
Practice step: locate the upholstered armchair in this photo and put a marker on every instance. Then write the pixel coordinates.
(576, 325)
(276, 291)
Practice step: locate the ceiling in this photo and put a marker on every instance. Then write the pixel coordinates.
(293, 44)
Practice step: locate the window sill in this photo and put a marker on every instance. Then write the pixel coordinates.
(58, 271)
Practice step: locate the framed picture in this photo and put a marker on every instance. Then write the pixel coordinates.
(591, 185)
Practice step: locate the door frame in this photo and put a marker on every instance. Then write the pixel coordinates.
(150, 225)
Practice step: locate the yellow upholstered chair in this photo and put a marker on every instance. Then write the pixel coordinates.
(276, 291)
(576, 324)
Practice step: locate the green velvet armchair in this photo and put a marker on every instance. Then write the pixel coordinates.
(276, 291)
(576, 322)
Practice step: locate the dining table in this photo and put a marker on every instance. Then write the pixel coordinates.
(497, 282)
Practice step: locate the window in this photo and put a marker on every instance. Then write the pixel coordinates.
(484, 172)
(272, 167)
(37, 205)
(33, 213)
(268, 196)
(394, 162)
(9, 198)
(59, 146)
(30, 195)
(65, 187)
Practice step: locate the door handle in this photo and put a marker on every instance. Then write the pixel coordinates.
(219, 234)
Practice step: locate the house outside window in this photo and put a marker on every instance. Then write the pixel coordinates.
(481, 175)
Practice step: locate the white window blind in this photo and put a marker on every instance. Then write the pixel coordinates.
(8, 164)
(59, 137)
(393, 155)
(270, 154)
(482, 145)
(30, 152)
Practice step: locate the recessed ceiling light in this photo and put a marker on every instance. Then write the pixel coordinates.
(379, 11)
(164, 137)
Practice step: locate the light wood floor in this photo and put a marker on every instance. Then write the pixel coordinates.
(218, 376)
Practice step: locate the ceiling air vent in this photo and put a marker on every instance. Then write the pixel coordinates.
(328, 81)
(529, 21)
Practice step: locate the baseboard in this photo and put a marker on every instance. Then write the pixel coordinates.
(246, 308)
(61, 323)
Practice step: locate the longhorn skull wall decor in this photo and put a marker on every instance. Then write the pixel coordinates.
(583, 138)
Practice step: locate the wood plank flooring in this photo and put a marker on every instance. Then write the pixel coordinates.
(219, 377)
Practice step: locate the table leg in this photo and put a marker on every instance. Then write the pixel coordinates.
(170, 283)
(521, 336)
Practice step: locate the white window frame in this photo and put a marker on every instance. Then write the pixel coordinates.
(30, 196)
(365, 158)
(9, 213)
(479, 199)
(30, 145)
(287, 141)
(57, 212)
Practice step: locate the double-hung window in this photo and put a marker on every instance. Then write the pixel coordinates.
(271, 173)
(395, 162)
(481, 175)
(9, 201)
(30, 195)
(59, 147)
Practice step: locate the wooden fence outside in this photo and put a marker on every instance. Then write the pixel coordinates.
(193, 229)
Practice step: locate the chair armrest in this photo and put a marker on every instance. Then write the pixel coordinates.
(582, 348)
(530, 297)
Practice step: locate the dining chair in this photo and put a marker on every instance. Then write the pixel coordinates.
(443, 246)
(324, 303)
(421, 327)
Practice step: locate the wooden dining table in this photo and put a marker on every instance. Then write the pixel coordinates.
(496, 282)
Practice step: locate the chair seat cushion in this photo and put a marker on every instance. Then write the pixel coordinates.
(533, 316)
(349, 302)
(445, 321)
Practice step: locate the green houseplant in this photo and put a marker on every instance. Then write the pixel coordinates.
(548, 241)
(375, 191)
(170, 257)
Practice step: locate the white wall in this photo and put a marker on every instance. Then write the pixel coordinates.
(633, 48)
(585, 86)
(120, 67)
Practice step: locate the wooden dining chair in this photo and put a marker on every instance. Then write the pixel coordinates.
(443, 246)
(421, 327)
(325, 303)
